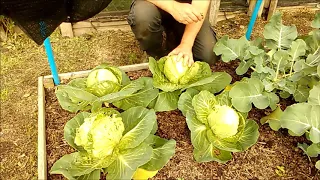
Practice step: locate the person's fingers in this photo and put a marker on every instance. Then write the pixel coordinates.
(180, 55)
(190, 61)
(192, 16)
(197, 14)
(185, 60)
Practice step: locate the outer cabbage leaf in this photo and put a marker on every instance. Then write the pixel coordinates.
(214, 83)
(127, 162)
(162, 152)
(165, 101)
(138, 122)
(185, 100)
(204, 151)
(142, 97)
(70, 129)
(78, 164)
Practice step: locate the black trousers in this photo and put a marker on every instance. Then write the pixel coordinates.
(149, 23)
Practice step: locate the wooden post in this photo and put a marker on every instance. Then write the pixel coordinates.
(272, 8)
(261, 8)
(214, 11)
(252, 5)
(42, 151)
(267, 3)
(66, 29)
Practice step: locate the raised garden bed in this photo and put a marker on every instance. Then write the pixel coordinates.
(263, 161)
(252, 115)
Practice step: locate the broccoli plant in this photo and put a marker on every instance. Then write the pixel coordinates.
(300, 119)
(106, 84)
(217, 129)
(120, 145)
(283, 63)
(173, 77)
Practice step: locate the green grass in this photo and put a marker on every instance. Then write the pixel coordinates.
(119, 5)
(3, 94)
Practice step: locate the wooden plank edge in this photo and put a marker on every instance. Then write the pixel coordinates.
(312, 8)
(80, 74)
(42, 151)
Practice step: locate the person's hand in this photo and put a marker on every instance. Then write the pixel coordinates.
(185, 13)
(183, 52)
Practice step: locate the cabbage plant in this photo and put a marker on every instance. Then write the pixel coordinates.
(105, 84)
(118, 145)
(172, 78)
(217, 128)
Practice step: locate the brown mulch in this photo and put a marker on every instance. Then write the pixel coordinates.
(261, 161)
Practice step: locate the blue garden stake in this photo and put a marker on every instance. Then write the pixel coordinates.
(47, 46)
(52, 63)
(253, 19)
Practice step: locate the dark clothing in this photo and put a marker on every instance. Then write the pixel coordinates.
(148, 23)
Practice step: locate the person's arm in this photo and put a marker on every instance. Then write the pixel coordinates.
(166, 5)
(182, 12)
(184, 50)
(191, 30)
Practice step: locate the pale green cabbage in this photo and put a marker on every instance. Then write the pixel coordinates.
(100, 134)
(100, 75)
(224, 121)
(174, 70)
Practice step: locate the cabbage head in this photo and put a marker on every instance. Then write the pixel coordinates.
(104, 80)
(170, 75)
(217, 128)
(224, 121)
(100, 134)
(174, 70)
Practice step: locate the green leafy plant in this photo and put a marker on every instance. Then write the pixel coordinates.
(172, 78)
(106, 84)
(300, 119)
(282, 63)
(120, 145)
(217, 129)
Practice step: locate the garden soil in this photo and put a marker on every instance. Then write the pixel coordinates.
(275, 156)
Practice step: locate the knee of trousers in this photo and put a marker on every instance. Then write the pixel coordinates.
(206, 55)
(145, 21)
